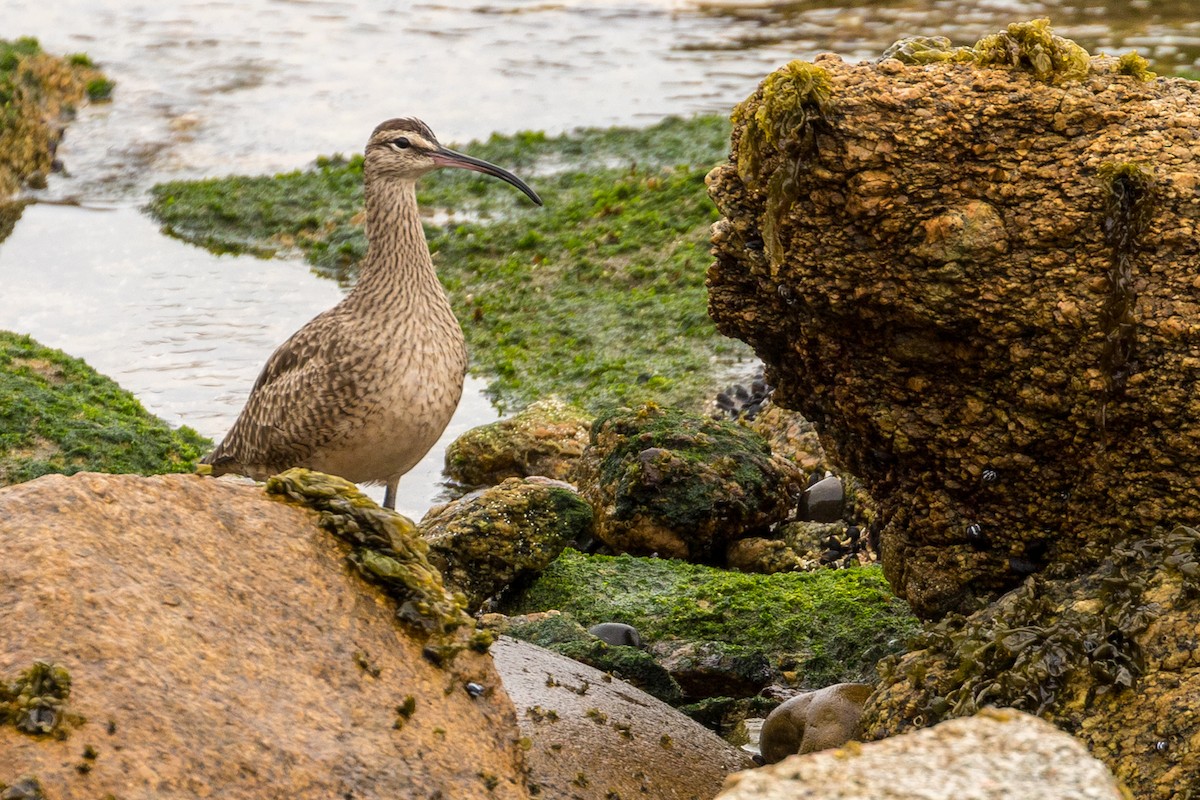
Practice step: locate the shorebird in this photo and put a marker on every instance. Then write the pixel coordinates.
(365, 389)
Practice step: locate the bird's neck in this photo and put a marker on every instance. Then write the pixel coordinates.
(397, 268)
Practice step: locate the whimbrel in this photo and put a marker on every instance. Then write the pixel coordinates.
(367, 387)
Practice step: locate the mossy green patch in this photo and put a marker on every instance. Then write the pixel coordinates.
(57, 414)
(387, 551)
(35, 702)
(831, 625)
(36, 91)
(598, 297)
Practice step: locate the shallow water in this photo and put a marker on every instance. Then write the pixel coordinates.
(212, 87)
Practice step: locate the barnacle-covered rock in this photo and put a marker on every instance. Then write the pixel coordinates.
(680, 485)
(485, 541)
(979, 276)
(1111, 657)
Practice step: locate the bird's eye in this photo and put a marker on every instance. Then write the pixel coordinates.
(402, 143)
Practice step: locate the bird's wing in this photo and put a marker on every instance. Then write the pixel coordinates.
(301, 400)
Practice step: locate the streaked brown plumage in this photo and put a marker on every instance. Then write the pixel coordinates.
(367, 387)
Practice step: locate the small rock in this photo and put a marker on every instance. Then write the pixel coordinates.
(813, 721)
(765, 556)
(824, 501)
(616, 633)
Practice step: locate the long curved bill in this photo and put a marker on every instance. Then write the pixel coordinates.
(445, 157)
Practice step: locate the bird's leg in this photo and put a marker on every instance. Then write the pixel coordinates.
(389, 494)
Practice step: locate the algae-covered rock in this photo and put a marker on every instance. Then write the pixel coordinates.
(1109, 656)
(388, 551)
(996, 755)
(546, 438)
(591, 737)
(486, 541)
(217, 646)
(38, 93)
(828, 627)
(978, 277)
(57, 414)
(680, 485)
(715, 669)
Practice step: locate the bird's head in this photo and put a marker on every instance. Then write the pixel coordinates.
(406, 149)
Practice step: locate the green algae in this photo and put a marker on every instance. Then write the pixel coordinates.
(831, 626)
(37, 91)
(35, 702)
(388, 552)
(598, 297)
(922, 50)
(1027, 46)
(1136, 66)
(1033, 47)
(58, 415)
(1051, 647)
(784, 115)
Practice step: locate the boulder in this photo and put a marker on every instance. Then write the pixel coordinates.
(487, 540)
(667, 482)
(712, 669)
(977, 271)
(996, 755)
(591, 737)
(1110, 656)
(200, 638)
(813, 721)
(546, 438)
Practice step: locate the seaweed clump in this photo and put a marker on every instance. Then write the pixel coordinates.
(1029, 46)
(35, 703)
(1033, 47)
(1135, 66)
(785, 114)
(1051, 647)
(921, 50)
(388, 552)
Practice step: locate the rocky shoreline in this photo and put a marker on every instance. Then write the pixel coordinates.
(713, 562)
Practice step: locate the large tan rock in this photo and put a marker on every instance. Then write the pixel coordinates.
(592, 737)
(980, 277)
(996, 755)
(218, 644)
